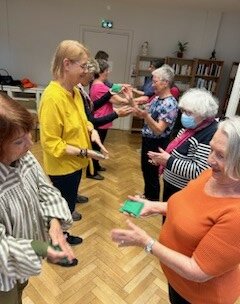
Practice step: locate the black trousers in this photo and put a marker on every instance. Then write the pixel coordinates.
(102, 134)
(168, 190)
(174, 297)
(68, 186)
(151, 172)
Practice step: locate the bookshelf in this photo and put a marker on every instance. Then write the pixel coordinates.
(184, 72)
(207, 74)
(142, 69)
(229, 87)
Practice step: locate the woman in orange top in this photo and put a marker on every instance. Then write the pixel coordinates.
(199, 245)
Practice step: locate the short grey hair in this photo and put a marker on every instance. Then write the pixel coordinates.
(231, 127)
(199, 101)
(165, 72)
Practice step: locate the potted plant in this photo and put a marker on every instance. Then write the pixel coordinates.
(182, 47)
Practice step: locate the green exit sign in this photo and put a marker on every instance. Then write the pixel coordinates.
(107, 23)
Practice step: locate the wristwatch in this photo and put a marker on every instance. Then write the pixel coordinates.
(149, 246)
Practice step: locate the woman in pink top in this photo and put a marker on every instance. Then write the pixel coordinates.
(97, 90)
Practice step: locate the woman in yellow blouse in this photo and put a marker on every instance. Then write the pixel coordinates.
(64, 128)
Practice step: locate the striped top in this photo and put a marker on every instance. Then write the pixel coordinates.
(189, 159)
(27, 203)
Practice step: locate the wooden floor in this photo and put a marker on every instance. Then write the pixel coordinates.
(105, 273)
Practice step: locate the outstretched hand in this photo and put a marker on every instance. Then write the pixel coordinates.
(133, 236)
(148, 208)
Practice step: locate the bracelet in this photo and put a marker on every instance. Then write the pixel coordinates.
(82, 153)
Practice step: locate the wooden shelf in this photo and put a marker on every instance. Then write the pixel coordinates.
(142, 71)
(207, 74)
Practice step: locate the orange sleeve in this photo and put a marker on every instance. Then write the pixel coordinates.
(219, 251)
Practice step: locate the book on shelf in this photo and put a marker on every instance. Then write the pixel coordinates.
(182, 86)
(205, 69)
(210, 85)
(184, 69)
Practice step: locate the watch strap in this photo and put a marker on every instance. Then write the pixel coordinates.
(149, 245)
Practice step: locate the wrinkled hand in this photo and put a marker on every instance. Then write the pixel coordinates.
(160, 158)
(127, 91)
(148, 208)
(96, 155)
(123, 111)
(140, 113)
(95, 136)
(58, 238)
(133, 236)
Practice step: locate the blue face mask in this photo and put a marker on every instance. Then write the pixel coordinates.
(188, 122)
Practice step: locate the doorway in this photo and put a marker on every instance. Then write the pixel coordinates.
(118, 44)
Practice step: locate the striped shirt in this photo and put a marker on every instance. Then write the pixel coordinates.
(189, 159)
(27, 203)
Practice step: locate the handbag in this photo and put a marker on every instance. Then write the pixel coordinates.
(5, 79)
(8, 80)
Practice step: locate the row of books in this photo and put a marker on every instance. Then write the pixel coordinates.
(212, 69)
(182, 86)
(180, 69)
(210, 85)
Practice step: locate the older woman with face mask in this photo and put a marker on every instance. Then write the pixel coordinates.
(186, 156)
(32, 212)
(199, 244)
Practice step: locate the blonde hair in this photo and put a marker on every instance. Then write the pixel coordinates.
(93, 66)
(71, 49)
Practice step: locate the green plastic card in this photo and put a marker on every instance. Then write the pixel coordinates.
(116, 88)
(132, 207)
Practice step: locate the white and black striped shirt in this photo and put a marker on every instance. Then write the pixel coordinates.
(189, 159)
(27, 203)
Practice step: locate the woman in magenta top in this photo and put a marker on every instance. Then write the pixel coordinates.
(97, 90)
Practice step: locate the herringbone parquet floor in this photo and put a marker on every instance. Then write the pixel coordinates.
(105, 273)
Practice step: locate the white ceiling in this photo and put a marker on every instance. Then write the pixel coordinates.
(213, 5)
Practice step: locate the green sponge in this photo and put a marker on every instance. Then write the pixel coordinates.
(116, 88)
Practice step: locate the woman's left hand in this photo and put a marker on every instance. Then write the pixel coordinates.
(160, 158)
(96, 138)
(140, 113)
(58, 238)
(134, 236)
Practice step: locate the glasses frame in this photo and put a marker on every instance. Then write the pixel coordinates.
(84, 66)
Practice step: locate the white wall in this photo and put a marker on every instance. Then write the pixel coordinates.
(228, 45)
(31, 29)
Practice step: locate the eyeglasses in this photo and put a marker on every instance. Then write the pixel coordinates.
(159, 81)
(84, 66)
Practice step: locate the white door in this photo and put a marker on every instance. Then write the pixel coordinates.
(118, 45)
